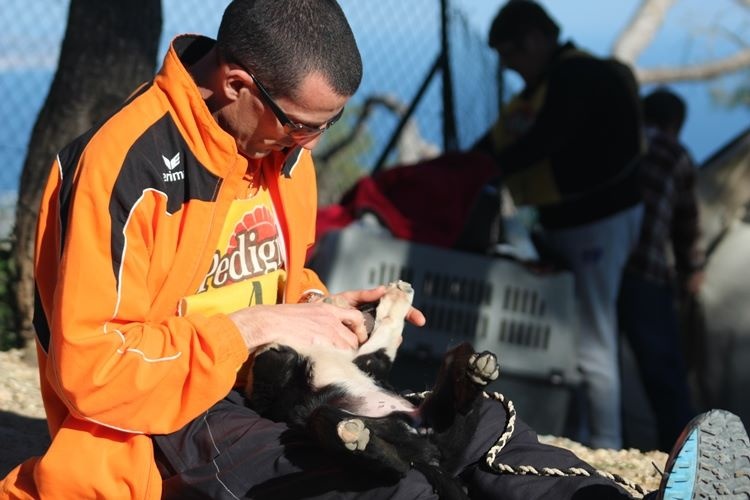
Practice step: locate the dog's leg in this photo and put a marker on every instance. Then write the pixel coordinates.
(387, 446)
(461, 379)
(389, 319)
(376, 356)
(452, 409)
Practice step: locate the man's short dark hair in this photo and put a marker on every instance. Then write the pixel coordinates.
(664, 109)
(519, 17)
(283, 41)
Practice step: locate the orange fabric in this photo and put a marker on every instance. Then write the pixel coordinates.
(121, 364)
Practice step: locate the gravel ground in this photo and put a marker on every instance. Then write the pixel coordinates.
(23, 430)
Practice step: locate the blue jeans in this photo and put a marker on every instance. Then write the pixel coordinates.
(596, 254)
(648, 318)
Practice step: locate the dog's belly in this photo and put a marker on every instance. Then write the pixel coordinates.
(379, 404)
(331, 366)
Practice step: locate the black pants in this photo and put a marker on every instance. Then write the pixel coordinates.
(231, 452)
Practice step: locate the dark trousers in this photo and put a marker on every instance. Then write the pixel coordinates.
(648, 318)
(231, 452)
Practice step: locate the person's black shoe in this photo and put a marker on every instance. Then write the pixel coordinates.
(711, 459)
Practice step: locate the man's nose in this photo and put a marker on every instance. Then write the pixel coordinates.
(312, 142)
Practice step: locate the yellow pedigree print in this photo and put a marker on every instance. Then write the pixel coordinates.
(247, 267)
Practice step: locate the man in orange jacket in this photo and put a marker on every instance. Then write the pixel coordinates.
(171, 244)
(161, 225)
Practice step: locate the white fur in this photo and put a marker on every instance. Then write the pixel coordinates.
(389, 320)
(333, 366)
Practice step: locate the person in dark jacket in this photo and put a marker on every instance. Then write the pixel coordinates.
(568, 145)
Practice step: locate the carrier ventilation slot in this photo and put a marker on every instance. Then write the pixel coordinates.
(463, 290)
(524, 334)
(523, 300)
(459, 322)
(387, 273)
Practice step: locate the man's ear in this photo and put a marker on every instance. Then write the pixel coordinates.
(233, 81)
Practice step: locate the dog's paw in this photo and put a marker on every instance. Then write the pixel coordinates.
(353, 434)
(390, 314)
(483, 368)
(398, 297)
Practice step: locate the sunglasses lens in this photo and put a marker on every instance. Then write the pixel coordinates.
(303, 132)
(300, 132)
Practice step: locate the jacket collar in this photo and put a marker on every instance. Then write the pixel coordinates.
(194, 117)
(215, 148)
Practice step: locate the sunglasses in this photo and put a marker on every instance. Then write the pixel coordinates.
(297, 131)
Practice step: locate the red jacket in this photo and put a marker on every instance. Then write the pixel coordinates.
(123, 235)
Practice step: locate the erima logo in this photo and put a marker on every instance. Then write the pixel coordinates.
(171, 164)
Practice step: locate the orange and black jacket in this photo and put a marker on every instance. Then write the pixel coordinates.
(123, 235)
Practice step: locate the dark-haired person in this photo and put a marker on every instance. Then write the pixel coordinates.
(568, 145)
(159, 227)
(668, 257)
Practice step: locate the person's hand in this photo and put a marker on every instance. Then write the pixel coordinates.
(333, 320)
(695, 282)
(354, 298)
(317, 323)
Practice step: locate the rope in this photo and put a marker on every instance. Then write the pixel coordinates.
(529, 470)
(523, 470)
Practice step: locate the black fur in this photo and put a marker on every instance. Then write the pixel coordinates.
(377, 365)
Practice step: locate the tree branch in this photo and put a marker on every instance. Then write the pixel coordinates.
(705, 71)
(641, 29)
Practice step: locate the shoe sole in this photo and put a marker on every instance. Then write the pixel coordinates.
(713, 460)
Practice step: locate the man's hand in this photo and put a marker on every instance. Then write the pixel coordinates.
(694, 282)
(356, 298)
(333, 321)
(315, 323)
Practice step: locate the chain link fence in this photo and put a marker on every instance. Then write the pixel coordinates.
(400, 43)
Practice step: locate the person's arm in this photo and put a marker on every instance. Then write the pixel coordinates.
(685, 231)
(115, 356)
(561, 111)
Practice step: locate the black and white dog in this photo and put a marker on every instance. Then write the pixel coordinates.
(343, 401)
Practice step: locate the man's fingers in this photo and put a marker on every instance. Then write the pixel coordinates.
(337, 300)
(353, 298)
(370, 295)
(358, 297)
(359, 330)
(345, 338)
(355, 322)
(416, 317)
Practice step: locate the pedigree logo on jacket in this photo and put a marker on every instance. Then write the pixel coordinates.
(253, 250)
(247, 267)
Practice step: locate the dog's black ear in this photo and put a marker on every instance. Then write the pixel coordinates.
(368, 311)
